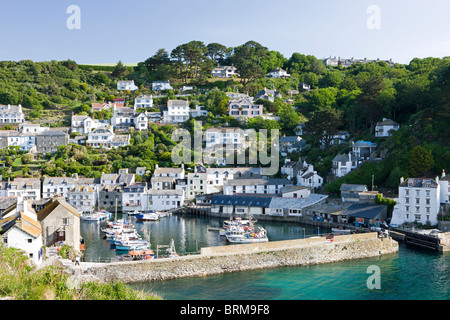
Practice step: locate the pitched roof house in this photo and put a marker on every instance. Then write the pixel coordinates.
(60, 223)
(20, 229)
(386, 127)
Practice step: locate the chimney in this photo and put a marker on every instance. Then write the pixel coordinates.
(401, 180)
(443, 173)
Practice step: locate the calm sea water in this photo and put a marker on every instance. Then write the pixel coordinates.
(411, 274)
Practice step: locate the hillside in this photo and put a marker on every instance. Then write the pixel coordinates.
(417, 96)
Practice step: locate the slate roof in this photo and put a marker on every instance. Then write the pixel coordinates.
(419, 183)
(249, 182)
(386, 122)
(353, 187)
(364, 210)
(53, 204)
(267, 201)
(254, 201)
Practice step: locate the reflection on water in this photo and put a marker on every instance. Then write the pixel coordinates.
(188, 232)
(410, 274)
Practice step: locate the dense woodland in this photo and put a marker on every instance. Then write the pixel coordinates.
(417, 96)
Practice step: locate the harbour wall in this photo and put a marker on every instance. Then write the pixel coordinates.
(242, 257)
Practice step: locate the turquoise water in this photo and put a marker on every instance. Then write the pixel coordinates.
(410, 274)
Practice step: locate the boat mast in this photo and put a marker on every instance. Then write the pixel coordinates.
(115, 214)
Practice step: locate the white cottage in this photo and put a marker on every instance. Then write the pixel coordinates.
(418, 201)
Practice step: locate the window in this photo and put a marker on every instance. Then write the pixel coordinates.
(65, 221)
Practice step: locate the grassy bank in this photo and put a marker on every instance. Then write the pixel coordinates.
(20, 281)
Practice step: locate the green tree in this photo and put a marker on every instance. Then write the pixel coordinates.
(119, 70)
(289, 118)
(247, 60)
(324, 124)
(217, 52)
(420, 161)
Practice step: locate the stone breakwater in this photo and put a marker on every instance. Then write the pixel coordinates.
(233, 258)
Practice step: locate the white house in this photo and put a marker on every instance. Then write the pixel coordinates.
(177, 173)
(165, 178)
(211, 180)
(52, 186)
(82, 198)
(85, 124)
(143, 101)
(162, 200)
(418, 201)
(344, 163)
(331, 62)
(445, 188)
(295, 192)
(199, 111)
(126, 85)
(32, 128)
(27, 188)
(303, 86)
(161, 85)
(224, 72)
(363, 149)
(386, 127)
(308, 177)
(20, 229)
(254, 185)
(106, 139)
(124, 118)
(11, 114)
(177, 111)
(223, 136)
(134, 197)
(278, 73)
(11, 138)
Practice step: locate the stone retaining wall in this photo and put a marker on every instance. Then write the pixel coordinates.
(216, 260)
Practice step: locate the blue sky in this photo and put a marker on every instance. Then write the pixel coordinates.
(133, 30)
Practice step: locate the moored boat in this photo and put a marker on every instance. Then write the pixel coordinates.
(149, 216)
(238, 235)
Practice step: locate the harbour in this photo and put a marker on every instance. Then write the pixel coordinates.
(320, 281)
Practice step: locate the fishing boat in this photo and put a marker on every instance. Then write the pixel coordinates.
(148, 216)
(121, 237)
(238, 235)
(246, 224)
(132, 245)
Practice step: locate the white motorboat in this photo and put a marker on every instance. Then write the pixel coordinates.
(149, 216)
(239, 235)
